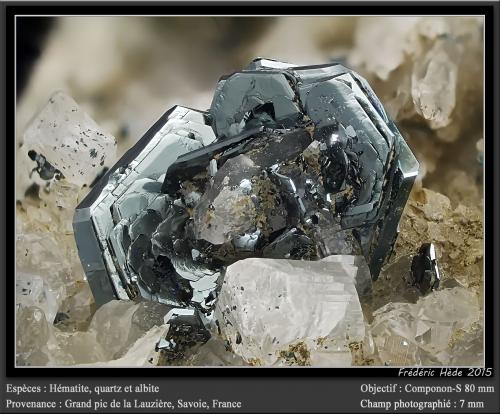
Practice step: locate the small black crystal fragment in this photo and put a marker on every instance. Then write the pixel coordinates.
(186, 329)
(45, 169)
(424, 269)
(293, 244)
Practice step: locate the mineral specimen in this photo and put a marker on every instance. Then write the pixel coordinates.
(185, 330)
(426, 68)
(45, 170)
(311, 304)
(289, 162)
(426, 333)
(62, 137)
(116, 328)
(33, 290)
(424, 268)
(394, 54)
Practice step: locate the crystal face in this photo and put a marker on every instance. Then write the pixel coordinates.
(290, 162)
(311, 304)
(75, 145)
(429, 332)
(424, 268)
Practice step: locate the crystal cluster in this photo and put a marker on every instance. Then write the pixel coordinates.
(225, 226)
(61, 140)
(116, 331)
(290, 162)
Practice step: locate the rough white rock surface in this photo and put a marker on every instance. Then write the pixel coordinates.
(271, 309)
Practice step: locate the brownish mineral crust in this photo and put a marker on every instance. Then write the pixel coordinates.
(457, 234)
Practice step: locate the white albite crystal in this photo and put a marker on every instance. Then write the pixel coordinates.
(70, 140)
(425, 332)
(270, 308)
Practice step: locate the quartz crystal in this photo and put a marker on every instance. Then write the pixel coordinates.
(428, 72)
(426, 333)
(269, 308)
(116, 331)
(427, 69)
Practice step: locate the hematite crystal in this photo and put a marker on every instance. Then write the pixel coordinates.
(424, 268)
(290, 162)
